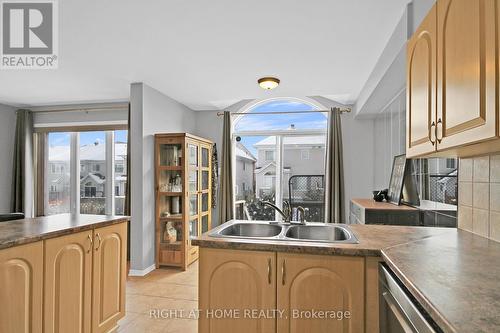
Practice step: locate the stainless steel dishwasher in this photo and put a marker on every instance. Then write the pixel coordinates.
(399, 311)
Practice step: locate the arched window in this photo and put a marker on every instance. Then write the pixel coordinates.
(279, 139)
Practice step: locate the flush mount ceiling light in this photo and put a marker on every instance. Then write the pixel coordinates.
(268, 83)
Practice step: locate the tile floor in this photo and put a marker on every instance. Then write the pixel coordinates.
(165, 289)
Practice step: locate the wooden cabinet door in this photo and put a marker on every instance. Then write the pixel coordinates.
(68, 279)
(109, 274)
(421, 85)
(466, 72)
(21, 288)
(325, 283)
(236, 280)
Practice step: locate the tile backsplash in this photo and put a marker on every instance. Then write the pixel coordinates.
(479, 196)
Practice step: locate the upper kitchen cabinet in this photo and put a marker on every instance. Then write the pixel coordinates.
(466, 101)
(421, 81)
(451, 79)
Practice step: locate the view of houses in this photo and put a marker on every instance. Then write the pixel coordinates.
(303, 161)
(93, 176)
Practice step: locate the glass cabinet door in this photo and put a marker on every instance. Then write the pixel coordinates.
(193, 180)
(193, 154)
(193, 228)
(170, 155)
(205, 157)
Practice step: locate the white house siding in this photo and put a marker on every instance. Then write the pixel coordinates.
(302, 155)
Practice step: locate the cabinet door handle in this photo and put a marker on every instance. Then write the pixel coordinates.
(90, 243)
(433, 125)
(269, 270)
(283, 272)
(98, 236)
(440, 122)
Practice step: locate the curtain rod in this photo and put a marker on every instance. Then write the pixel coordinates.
(346, 110)
(83, 109)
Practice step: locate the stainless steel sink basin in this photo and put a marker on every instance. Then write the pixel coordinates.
(259, 230)
(311, 232)
(319, 233)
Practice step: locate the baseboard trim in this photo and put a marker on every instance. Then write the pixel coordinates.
(141, 272)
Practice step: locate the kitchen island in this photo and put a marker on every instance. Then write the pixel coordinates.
(453, 274)
(63, 273)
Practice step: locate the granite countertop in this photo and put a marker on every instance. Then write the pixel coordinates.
(372, 238)
(455, 276)
(30, 230)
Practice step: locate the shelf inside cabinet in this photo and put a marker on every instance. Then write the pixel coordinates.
(171, 194)
(173, 217)
(171, 167)
(171, 246)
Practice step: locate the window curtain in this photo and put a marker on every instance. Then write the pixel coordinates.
(334, 171)
(23, 162)
(226, 177)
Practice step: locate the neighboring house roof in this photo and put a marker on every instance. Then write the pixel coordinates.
(98, 179)
(266, 167)
(60, 179)
(306, 140)
(242, 152)
(91, 152)
(273, 164)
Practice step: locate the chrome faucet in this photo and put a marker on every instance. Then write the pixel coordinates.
(301, 214)
(286, 213)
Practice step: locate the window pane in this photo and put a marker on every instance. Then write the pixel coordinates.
(303, 174)
(92, 172)
(57, 173)
(255, 180)
(120, 171)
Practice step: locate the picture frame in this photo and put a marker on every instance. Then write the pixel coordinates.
(398, 172)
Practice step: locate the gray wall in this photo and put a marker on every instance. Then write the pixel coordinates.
(151, 112)
(388, 139)
(7, 132)
(388, 77)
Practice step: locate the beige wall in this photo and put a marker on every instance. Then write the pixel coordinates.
(479, 195)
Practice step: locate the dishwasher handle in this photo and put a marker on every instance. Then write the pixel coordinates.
(394, 307)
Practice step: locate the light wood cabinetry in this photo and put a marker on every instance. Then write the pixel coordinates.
(269, 281)
(236, 280)
(371, 294)
(421, 88)
(452, 74)
(334, 284)
(84, 280)
(21, 288)
(183, 196)
(68, 283)
(109, 274)
(466, 93)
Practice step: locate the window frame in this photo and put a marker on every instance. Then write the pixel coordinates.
(75, 166)
(278, 156)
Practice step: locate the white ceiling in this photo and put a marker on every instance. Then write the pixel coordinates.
(209, 54)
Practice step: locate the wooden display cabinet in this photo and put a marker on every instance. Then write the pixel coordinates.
(183, 175)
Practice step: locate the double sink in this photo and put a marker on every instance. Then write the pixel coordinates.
(310, 232)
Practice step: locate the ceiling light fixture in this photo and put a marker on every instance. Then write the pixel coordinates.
(268, 83)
